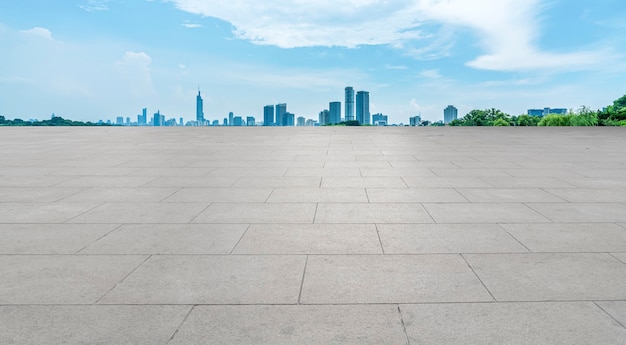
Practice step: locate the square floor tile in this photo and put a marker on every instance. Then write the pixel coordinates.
(89, 324)
(215, 279)
(297, 324)
(446, 238)
(61, 279)
(390, 279)
(310, 239)
(573, 237)
(550, 277)
(510, 323)
(169, 239)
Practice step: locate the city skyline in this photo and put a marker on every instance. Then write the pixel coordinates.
(93, 59)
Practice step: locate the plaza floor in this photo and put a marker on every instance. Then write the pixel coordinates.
(331, 235)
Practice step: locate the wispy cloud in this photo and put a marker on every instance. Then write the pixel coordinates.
(430, 74)
(188, 24)
(39, 32)
(95, 5)
(400, 67)
(507, 30)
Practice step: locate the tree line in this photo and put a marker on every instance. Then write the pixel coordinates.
(54, 121)
(613, 115)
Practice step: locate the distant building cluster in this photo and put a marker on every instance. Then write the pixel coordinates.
(546, 111)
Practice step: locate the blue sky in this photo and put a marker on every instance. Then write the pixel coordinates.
(98, 59)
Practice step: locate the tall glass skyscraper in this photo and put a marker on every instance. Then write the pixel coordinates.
(449, 114)
(230, 118)
(349, 103)
(335, 112)
(199, 110)
(268, 115)
(281, 110)
(363, 107)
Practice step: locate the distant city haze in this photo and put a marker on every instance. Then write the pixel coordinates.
(93, 60)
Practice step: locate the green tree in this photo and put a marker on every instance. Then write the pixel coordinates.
(555, 120)
(500, 122)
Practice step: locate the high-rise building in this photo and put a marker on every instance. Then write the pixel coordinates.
(289, 119)
(268, 115)
(119, 121)
(158, 119)
(281, 110)
(379, 119)
(250, 121)
(237, 121)
(335, 112)
(142, 119)
(300, 121)
(415, 120)
(449, 114)
(349, 102)
(324, 117)
(363, 107)
(199, 110)
(230, 118)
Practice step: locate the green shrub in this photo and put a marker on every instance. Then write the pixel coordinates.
(555, 120)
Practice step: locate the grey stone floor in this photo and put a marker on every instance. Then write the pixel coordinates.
(313, 235)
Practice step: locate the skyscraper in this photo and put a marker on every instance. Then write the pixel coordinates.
(324, 117)
(281, 110)
(349, 103)
(363, 107)
(199, 110)
(289, 119)
(335, 112)
(449, 114)
(230, 118)
(268, 115)
(300, 121)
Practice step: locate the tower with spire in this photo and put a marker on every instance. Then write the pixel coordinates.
(199, 109)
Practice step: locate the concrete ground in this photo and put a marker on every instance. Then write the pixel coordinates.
(313, 235)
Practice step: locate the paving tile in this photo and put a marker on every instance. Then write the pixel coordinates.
(617, 310)
(41, 212)
(49, 238)
(318, 195)
(142, 213)
(575, 237)
(274, 213)
(167, 171)
(216, 279)
(256, 171)
(99, 195)
(483, 213)
(423, 172)
(278, 182)
(446, 238)
(220, 195)
(169, 239)
(542, 173)
(193, 181)
(89, 324)
(343, 163)
(445, 182)
(470, 172)
(390, 279)
(551, 277)
(61, 279)
(595, 182)
(581, 212)
(362, 213)
(508, 195)
(620, 256)
(35, 194)
(32, 181)
(362, 182)
(309, 239)
(590, 195)
(107, 181)
(510, 323)
(414, 195)
(323, 172)
(297, 324)
(527, 182)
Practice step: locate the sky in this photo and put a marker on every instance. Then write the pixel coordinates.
(99, 59)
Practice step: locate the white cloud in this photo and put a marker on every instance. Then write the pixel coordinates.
(507, 30)
(191, 25)
(39, 32)
(430, 74)
(134, 68)
(95, 5)
(399, 67)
